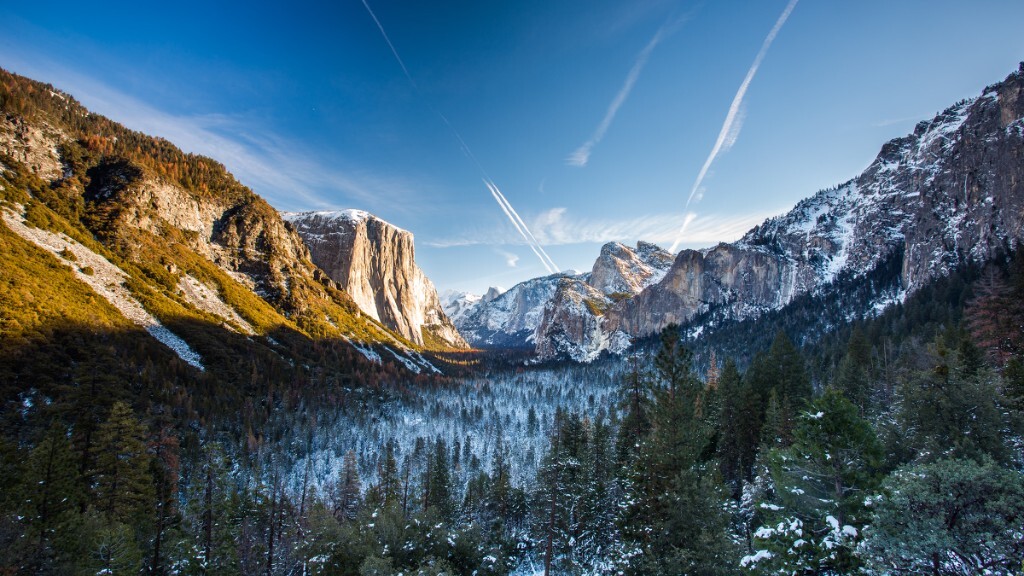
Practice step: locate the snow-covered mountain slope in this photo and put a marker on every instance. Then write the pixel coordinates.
(457, 304)
(950, 193)
(572, 324)
(554, 314)
(375, 263)
(510, 319)
(620, 269)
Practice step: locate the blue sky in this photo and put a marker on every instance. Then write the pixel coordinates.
(307, 104)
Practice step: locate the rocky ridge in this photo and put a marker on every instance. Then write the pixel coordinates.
(195, 248)
(555, 313)
(947, 194)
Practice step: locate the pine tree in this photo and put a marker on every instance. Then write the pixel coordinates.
(821, 482)
(854, 377)
(53, 493)
(165, 473)
(674, 520)
(388, 485)
(123, 482)
(739, 425)
(949, 517)
(439, 484)
(210, 515)
(636, 423)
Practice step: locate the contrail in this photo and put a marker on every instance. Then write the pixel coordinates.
(390, 45)
(581, 155)
(534, 245)
(503, 202)
(730, 128)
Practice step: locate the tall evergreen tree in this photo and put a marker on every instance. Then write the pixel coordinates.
(53, 493)
(674, 521)
(821, 482)
(123, 480)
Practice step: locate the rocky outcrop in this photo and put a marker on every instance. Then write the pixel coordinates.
(948, 194)
(509, 319)
(375, 263)
(626, 271)
(561, 314)
(571, 323)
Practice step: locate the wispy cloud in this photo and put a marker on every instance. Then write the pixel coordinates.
(283, 171)
(893, 121)
(581, 156)
(734, 118)
(558, 226)
(511, 259)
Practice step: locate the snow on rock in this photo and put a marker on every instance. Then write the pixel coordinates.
(205, 298)
(105, 279)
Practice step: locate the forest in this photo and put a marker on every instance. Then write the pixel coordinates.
(903, 457)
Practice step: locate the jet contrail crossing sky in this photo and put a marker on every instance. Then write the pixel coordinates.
(733, 122)
(503, 202)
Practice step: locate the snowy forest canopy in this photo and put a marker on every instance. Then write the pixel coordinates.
(893, 447)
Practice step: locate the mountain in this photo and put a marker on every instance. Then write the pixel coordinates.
(557, 313)
(948, 194)
(944, 196)
(374, 262)
(509, 319)
(169, 242)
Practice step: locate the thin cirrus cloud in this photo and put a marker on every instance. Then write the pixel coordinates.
(733, 119)
(511, 259)
(558, 226)
(581, 156)
(280, 170)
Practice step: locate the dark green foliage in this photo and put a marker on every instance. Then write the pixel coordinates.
(949, 517)
(946, 411)
(821, 482)
(674, 522)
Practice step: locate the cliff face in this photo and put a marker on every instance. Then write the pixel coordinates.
(948, 194)
(561, 314)
(509, 319)
(374, 262)
(178, 243)
(620, 269)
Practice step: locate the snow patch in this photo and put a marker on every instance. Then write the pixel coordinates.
(205, 298)
(105, 279)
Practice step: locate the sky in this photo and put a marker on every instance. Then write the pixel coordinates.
(513, 139)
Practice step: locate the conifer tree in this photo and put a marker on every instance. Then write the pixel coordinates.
(123, 482)
(813, 524)
(854, 375)
(53, 493)
(210, 517)
(674, 520)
